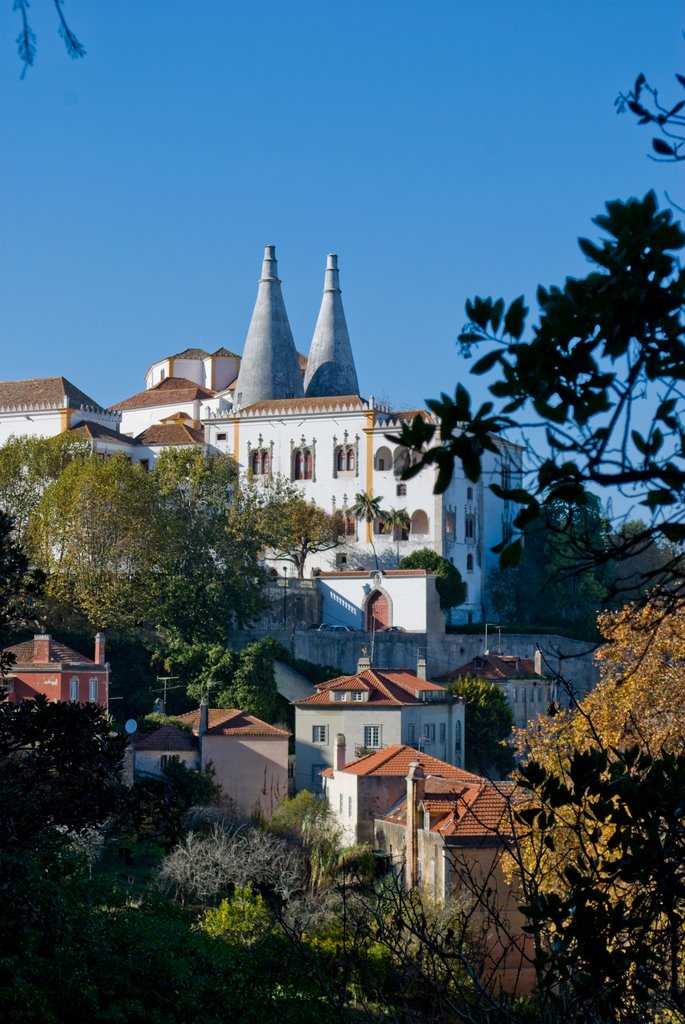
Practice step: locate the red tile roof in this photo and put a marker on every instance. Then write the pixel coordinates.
(44, 392)
(386, 687)
(167, 738)
(59, 654)
(170, 434)
(395, 760)
(493, 666)
(96, 432)
(233, 722)
(478, 810)
(171, 389)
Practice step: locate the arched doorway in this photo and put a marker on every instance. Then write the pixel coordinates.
(377, 612)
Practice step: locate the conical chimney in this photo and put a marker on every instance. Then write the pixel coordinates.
(269, 367)
(330, 367)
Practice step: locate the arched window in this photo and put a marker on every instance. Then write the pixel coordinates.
(383, 459)
(260, 461)
(264, 463)
(350, 460)
(298, 472)
(401, 461)
(255, 463)
(380, 526)
(469, 493)
(307, 465)
(419, 522)
(469, 563)
(341, 460)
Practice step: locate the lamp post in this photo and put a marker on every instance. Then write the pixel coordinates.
(285, 597)
(496, 626)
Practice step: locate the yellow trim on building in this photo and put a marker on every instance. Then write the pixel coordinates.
(65, 419)
(236, 441)
(170, 367)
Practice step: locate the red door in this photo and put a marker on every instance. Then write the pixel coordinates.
(377, 612)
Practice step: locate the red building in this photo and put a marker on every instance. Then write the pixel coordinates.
(43, 665)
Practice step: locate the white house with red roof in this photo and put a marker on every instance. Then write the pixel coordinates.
(373, 709)
(46, 666)
(364, 788)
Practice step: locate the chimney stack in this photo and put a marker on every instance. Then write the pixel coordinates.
(416, 790)
(340, 748)
(203, 724)
(421, 668)
(41, 649)
(99, 658)
(364, 663)
(538, 662)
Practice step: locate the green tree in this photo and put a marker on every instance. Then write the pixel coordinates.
(367, 509)
(449, 584)
(59, 768)
(601, 344)
(27, 466)
(19, 586)
(398, 521)
(556, 583)
(489, 722)
(207, 578)
(301, 528)
(96, 536)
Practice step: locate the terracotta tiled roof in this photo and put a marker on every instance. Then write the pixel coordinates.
(395, 760)
(44, 391)
(386, 687)
(95, 432)
(493, 666)
(233, 722)
(350, 683)
(191, 353)
(167, 738)
(295, 405)
(170, 434)
(60, 654)
(226, 352)
(175, 417)
(231, 386)
(479, 810)
(171, 389)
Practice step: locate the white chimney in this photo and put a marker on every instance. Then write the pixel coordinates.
(340, 748)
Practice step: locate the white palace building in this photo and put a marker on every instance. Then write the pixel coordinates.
(279, 413)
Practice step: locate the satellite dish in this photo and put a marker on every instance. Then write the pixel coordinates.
(131, 726)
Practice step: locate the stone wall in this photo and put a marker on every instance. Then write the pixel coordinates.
(571, 659)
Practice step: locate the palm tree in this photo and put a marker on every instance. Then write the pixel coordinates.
(367, 509)
(397, 519)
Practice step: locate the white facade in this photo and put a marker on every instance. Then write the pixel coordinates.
(411, 599)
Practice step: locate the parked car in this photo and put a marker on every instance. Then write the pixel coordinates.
(329, 627)
(392, 629)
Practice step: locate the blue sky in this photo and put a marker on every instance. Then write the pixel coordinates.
(441, 149)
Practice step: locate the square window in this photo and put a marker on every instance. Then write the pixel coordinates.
(73, 688)
(221, 436)
(372, 736)
(319, 734)
(443, 732)
(93, 690)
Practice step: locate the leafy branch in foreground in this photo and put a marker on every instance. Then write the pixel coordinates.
(26, 40)
(606, 348)
(643, 101)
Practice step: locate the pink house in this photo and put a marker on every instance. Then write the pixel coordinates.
(44, 665)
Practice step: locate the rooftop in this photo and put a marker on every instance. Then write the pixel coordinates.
(396, 759)
(389, 687)
(168, 391)
(493, 666)
(44, 392)
(233, 722)
(59, 654)
(167, 738)
(170, 434)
